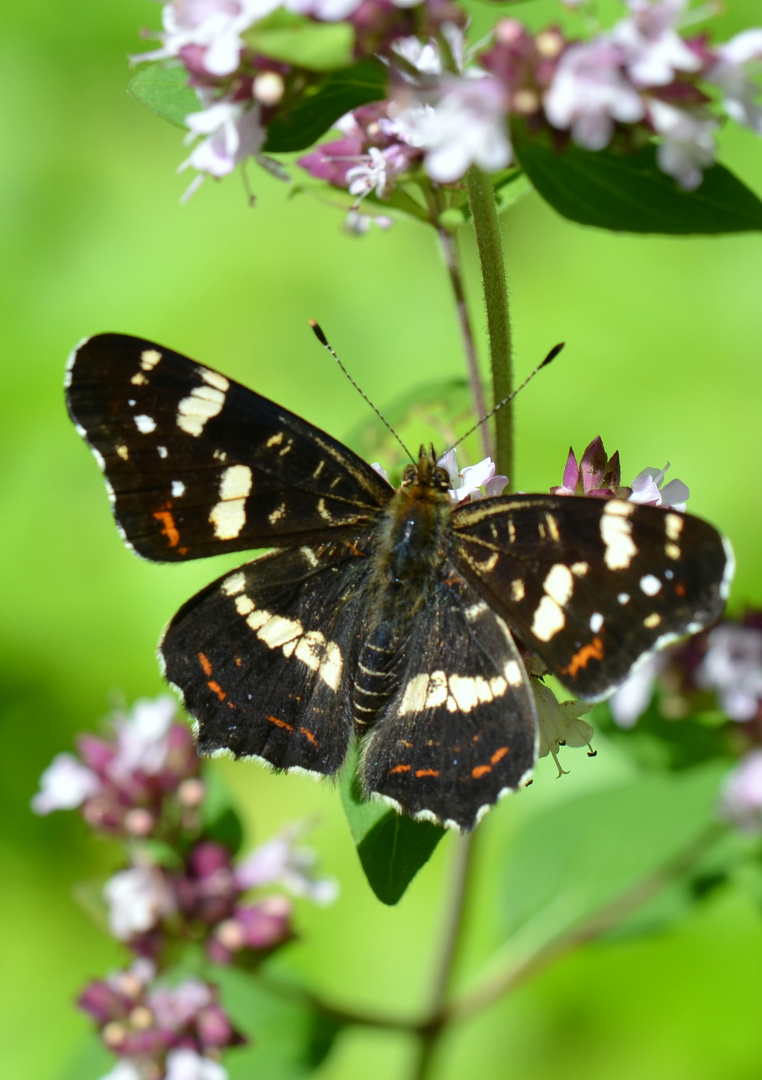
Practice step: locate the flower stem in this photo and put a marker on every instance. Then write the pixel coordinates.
(452, 262)
(488, 240)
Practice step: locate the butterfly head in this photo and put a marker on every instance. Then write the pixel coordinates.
(427, 473)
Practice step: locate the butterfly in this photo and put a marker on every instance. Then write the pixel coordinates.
(390, 614)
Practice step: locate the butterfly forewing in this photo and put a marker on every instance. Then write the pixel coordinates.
(461, 729)
(198, 464)
(265, 656)
(592, 585)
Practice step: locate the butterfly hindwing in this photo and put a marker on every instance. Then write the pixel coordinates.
(197, 464)
(592, 585)
(264, 657)
(461, 729)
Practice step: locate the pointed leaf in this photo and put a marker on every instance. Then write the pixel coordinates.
(629, 193)
(392, 847)
(574, 859)
(163, 88)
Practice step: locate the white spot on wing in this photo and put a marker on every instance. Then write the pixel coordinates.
(234, 584)
(213, 378)
(178, 489)
(548, 619)
(194, 411)
(623, 598)
(244, 605)
(161, 451)
(145, 424)
(149, 358)
(229, 515)
(123, 452)
(616, 535)
(673, 524)
(596, 621)
(652, 621)
(559, 584)
(650, 584)
(308, 646)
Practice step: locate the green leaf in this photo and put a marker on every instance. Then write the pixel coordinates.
(289, 1039)
(320, 106)
(295, 39)
(673, 745)
(573, 860)
(629, 193)
(219, 817)
(392, 847)
(163, 88)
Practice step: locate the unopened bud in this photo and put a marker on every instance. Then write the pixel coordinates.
(114, 1034)
(525, 102)
(549, 44)
(139, 821)
(191, 792)
(141, 1018)
(268, 87)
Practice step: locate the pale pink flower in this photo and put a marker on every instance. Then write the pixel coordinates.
(589, 93)
(466, 483)
(65, 784)
(213, 28)
(280, 862)
(653, 50)
(138, 898)
(735, 59)
(649, 489)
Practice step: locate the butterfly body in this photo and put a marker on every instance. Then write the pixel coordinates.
(388, 614)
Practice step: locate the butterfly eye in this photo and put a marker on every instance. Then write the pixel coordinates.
(442, 479)
(409, 476)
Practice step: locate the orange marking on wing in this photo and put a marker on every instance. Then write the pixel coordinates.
(205, 664)
(593, 651)
(170, 529)
(680, 589)
(480, 770)
(499, 755)
(183, 550)
(400, 768)
(217, 689)
(238, 661)
(279, 723)
(309, 735)
(426, 772)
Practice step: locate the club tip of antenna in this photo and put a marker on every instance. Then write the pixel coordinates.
(318, 332)
(553, 353)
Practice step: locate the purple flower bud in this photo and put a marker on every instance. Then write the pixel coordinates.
(596, 475)
(103, 1002)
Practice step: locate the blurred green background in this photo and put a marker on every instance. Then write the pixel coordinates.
(662, 360)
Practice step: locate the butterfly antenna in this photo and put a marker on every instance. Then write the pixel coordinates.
(326, 345)
(551, 356)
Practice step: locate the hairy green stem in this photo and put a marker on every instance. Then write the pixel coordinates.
(449, 247)
(489, 243)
